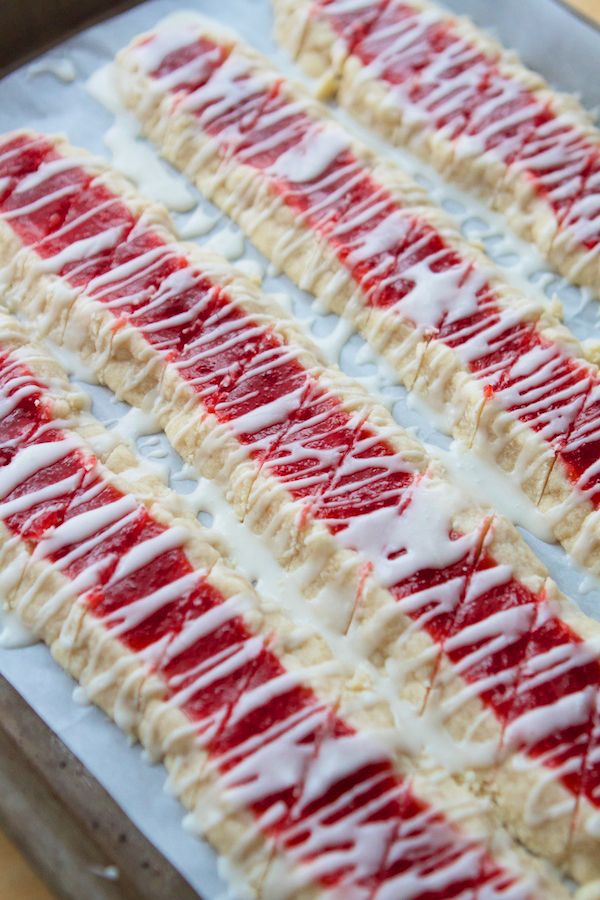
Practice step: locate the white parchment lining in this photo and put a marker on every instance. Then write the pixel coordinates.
(36, 96)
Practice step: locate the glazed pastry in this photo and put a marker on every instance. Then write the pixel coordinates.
(442, 597)
(265, 735)
(427, 80)
(506, 375)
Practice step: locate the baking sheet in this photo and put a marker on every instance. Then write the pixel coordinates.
(38, 97)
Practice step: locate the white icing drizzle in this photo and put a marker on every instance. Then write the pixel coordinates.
(72, 363)
(199, 223)
(61, 67)
(135, 424)
(228, 241)
(482, 480)
(399, 545)
(309, 158)
(131, 155)
(13, 634)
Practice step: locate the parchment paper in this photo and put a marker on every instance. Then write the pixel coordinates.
(563, 47)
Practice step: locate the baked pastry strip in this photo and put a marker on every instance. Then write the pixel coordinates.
(361, 236)
(433, 82)
(443, 597)
(265, 735)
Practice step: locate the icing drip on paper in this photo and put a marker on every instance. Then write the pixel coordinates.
(199, 223)
(61, 68)
(13, 634)
(72, 363)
